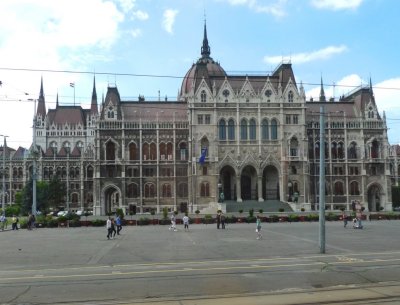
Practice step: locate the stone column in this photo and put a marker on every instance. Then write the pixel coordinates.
(238, 190)
(259, 181)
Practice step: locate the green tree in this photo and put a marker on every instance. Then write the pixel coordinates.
(56, 193)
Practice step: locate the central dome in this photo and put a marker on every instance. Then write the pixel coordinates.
(205, 67)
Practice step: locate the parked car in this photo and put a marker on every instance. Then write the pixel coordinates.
(62, 213)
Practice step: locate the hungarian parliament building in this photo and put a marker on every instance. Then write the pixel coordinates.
(227, 138)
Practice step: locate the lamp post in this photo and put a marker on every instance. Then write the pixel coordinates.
(34, 153)
(4, 174)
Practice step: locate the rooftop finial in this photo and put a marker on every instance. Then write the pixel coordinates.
(205, 49)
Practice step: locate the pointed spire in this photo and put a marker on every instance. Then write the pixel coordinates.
(93, 107)
(57, 100)
(205, 49)
(41, 107)
(370, 86)
(322, 97)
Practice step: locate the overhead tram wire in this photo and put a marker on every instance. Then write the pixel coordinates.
(178, 77)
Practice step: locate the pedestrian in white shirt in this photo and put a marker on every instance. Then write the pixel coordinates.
(186, 222)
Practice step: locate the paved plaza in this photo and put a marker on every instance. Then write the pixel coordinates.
(150, 263)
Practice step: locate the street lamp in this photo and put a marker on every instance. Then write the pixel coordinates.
(4, 174)
(34, 153)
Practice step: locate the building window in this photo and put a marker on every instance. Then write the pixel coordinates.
(231, 129)
(354, 188)
(290, 97)
(149, 190)
(182, 190)
(353, 151)
(339, 188)
(264, 129)
(274, 130)
(203, 96)
(132, 190)
(295, 119)
(200, 119)
(132, 151)
(243, 129)
(204, 170)
(252, 129)
(166, 190)
(205, 189)
(207, 119)
(183, 151)
(222, 130)
(110, 151)
(110, 113)
(288, 119)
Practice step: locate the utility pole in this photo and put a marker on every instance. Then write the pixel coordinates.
(3, 202)
(322, 180)
(34, 154)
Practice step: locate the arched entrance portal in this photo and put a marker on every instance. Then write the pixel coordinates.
(270, 190)
(112, 198)
(248, 183)
(227, 176)
(374, 198)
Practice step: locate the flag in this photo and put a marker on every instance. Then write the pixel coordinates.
(72, 85)
(203, 155)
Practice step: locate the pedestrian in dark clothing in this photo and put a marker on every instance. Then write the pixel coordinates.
(113, 231)
(118, 222)
(218, 220)
(222, 221)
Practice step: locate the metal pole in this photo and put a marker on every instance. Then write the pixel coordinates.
(4, 175)
(34, 209)
(322, 180)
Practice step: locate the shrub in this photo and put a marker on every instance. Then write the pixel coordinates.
(165, 213)
(240, 211)
(143, 221)
(119, 212)
(98, 222)
(197, 212)
(293, 218)
(260, 211)
(208, 219)
(313, 217)
(231, 219)
(273, 218)
(52, 223)
(74, 223)
(251, 219)
(331, 216)
(281, 210)
(302, 209)
(251, 213)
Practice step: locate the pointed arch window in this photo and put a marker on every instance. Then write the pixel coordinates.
(222, 130)
(264, 129)
(290, 97)
(149, 190)
(90, 171)
(166, 190)
(354, 190)
(110, 112)
(353, 151)
(274, 129)
(146, 151)
(132, 151)
(334, 150)
(163, 148)
(183, 151)
(132, 190)
(110, 151)
(203, 96)
(340, 150)
(252, 129)
(182, 190)
(153, 151)
(205, 189)
(243, 129)
(375, 149)
(231, 129)
(339, 188)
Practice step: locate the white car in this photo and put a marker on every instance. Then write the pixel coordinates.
(62, 213)
(79, 212)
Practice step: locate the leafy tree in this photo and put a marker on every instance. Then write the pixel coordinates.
(56, 192)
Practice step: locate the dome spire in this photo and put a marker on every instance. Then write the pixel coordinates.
(205, 49)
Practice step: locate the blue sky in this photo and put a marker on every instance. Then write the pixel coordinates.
(147, 46)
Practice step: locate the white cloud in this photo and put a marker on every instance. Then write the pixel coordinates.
(301, 58)
(136, 33)
(387, 94)
(276, 8)
(169, 20)
(336, 4)
(140, 15)
(127, 5)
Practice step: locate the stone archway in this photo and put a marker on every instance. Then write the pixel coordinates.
(228, 182)
(375, 198)
(270, 183)
(248, 183)
(112, 198)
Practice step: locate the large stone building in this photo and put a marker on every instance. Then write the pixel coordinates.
(236, 138)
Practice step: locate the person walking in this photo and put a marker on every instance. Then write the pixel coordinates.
(3, 221)
(108, 227)
(344, 217)
(173, 223)
(113, 231)
(218, 219)
(118, 222)
(222, 220)
(14, 222)
(185, 220)
(258, 227)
